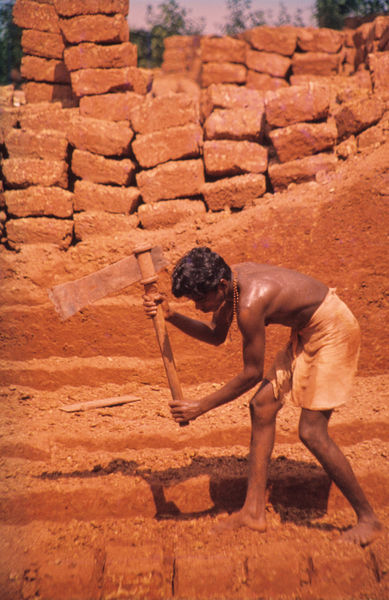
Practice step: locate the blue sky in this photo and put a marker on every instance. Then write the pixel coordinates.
(214, 11)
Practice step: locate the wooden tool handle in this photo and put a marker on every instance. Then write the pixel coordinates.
(150, 285)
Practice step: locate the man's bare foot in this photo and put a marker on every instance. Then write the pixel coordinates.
(240, 519)
(363, 533)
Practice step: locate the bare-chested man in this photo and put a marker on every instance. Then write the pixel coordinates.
(315, 370)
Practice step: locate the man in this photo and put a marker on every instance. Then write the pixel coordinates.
(315, 370)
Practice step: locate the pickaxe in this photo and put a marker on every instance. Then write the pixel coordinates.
(68, 298)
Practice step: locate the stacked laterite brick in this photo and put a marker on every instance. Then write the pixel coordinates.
(43, 45)
(103, 147)
(35, 169)
(168, 148)
(105, 79)
(235, 158)
(69, 171)
(268, 58)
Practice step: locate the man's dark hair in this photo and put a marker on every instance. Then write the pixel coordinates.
(199, 272)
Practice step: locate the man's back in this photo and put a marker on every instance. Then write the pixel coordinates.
(282, 295)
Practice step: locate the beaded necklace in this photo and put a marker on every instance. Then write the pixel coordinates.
(235, 302)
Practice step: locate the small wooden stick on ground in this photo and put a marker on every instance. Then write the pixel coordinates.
(115, 400)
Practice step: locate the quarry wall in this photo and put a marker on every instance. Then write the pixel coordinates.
(102, 146)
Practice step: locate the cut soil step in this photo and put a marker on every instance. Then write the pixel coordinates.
(121, 490)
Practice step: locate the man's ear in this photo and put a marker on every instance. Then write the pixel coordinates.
(223, 284)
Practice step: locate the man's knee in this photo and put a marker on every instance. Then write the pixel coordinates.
(264, 406)
(313, 427)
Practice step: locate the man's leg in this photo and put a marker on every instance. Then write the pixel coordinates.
(263, 411)
(313, 431)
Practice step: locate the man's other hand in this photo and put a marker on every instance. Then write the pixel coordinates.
(152, 301)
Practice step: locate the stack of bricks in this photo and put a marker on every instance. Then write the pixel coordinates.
(269, 55)
(265, 58)
(168, 147)
(301, 131)
(269, 58)
(223, 61)
(38, 203)
(374, 47)
(278, 106)
(106, 81)
(43, 67)
(311, 128)
(235, 158)
(318, 52)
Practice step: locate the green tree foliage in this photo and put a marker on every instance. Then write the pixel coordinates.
(331, 13)
(241, 17)
(10, 47)
(167, 19)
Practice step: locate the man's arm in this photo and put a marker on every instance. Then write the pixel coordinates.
(213, 333)
(253, 332)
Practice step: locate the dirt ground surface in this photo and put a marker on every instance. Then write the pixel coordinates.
(119, 502)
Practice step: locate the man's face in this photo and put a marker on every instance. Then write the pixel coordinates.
(211, 301)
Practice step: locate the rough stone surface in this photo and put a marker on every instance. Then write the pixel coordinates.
(230, 96)
(100, 223)
(94, 56)
(375, 135)
(222, 72)
(380, 27)
(155, 114)
(89, 196)
(169, 212)
(379, 67)
(101, 137)
(165, 84)
(95, 28)
(48, 144)
(100, 81)
(39, 69)
(39, 201)
(9, 120)
(117, 106)
(23, 172)
(40, 230)
(268, 62)
(44, 115)
(42, 43)
(71, 8)
(155, 148)
(224, 157)
(303, 139)
(311, 39)
(172, 180)
(234, 192)
(99, 169)
(238, 124)
(297, 103)
(34, 15)
(346, 148)
(222, 49)
(298, 171)
(264, 82)
(354, 117)
(315, 63)
(281, 40)
(49, 92)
